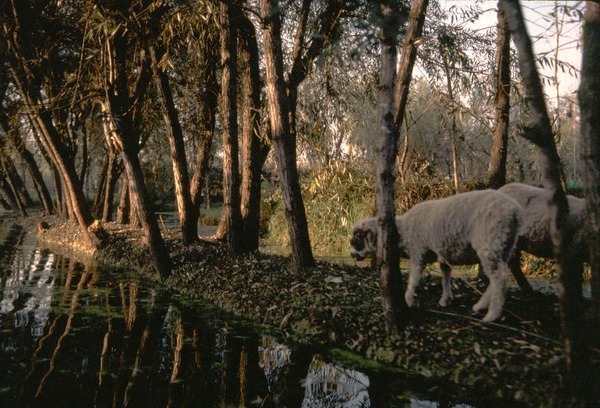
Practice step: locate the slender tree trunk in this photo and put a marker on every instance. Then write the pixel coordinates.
(97, 206)
(540, 133)
(498, 153)
(209, 101)
(282, 137)
(589, 101)
(393, 96)
(15, 180)
(453, 127)
(11, 192)
(32, 167)
(112, 177)
(181, 178)
(127, 141)
(7, 200)
(52, 141)
(123, 207)
(28, 81)
(254, 147)
(231, 184)
(387, 255)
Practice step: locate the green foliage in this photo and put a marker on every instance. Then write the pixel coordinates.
(338, 194)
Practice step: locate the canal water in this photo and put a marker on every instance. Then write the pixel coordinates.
(83, 335)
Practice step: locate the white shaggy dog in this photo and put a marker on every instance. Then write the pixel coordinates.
(464, 229)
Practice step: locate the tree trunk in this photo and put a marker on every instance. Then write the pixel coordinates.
(112, 176)
(188, 222)
(209, 101)
(27, 157)
(452, 114)
(98, 204)
(11, 193)
(498, 153)
(569, 270)
(231, 185)
(589, 102)
(13, 177)
(28, 80)
(123, 207)
(127, 139)
(282, 137)
(254, 147)
(65, 165)
(393, 96)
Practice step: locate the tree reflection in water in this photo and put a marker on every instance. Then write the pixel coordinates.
(74, 335)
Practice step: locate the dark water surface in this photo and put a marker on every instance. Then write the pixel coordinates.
(74, 335)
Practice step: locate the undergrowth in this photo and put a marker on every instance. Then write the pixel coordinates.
(337, 195)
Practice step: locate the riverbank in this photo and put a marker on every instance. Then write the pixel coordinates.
(516, 361)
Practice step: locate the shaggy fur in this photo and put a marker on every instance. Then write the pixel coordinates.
(464, 229)
(535, 238)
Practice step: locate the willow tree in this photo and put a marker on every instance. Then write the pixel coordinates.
(310, 38)
(127, 75)
(231, 182)
(393, 96)
(539, 132)
(40, 58)
(282, 135)
(498, 153)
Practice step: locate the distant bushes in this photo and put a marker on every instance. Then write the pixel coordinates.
(338, 194)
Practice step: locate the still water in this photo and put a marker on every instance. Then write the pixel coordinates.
(75, 335)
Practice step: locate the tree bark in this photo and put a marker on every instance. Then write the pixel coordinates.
(10, 190)
(285, 154)
(589, 102)
(569, 270)
(127, 140)
(123, 207)
(498, 153)
(231, 182)
(208, 111)
(254, 147)
(13, 177)
(181, 178)
(52, 140)
(29, 78)
(393, 96)
(17, 143)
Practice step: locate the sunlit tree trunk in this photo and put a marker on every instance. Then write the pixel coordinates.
(589, 101)
(231, 182)
(498, 153)
(181, 178)
(282, 136)
(52, 140)
(127, 140)
(110, 169)
(254, 147)
(569, 270)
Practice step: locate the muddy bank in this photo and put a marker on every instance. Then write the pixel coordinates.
(516, 360)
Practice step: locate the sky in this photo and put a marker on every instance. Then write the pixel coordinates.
(541, 27)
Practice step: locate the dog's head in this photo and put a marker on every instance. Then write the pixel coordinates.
(364, 238)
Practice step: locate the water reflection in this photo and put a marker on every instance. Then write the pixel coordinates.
(328, 385)
(85, 336)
